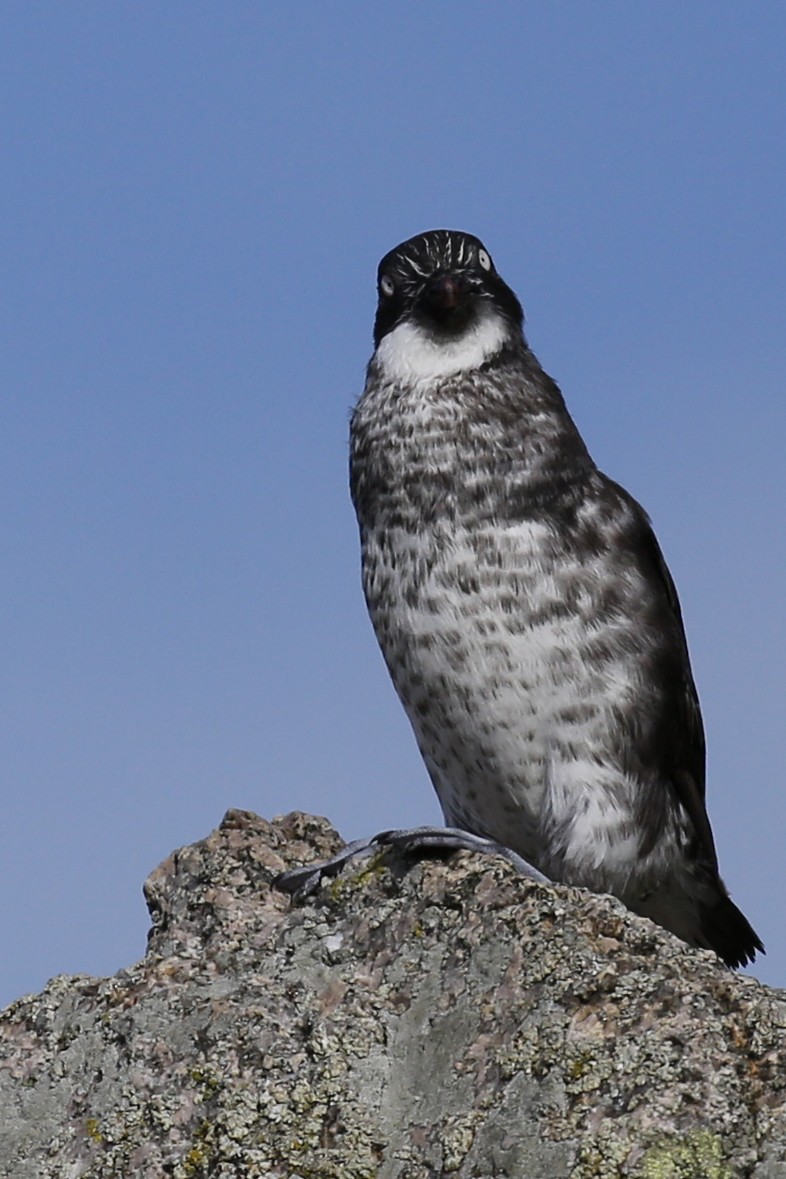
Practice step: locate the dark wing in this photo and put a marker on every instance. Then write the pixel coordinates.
(678, 732)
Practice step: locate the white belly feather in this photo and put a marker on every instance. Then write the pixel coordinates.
(511, 717)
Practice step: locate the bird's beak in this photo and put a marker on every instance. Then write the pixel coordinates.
(446, 292)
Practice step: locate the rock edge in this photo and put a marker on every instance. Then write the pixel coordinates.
(406, 1022)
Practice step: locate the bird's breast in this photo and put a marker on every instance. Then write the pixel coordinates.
(496, 627)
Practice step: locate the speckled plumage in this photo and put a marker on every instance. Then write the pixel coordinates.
(523, 607)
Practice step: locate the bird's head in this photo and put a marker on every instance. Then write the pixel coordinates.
(442, 305)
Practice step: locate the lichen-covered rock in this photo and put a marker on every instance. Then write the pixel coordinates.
(452, 1019)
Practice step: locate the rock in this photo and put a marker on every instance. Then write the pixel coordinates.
(449, 1019)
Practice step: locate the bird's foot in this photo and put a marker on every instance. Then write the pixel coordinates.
(306, 878)
(413, 841)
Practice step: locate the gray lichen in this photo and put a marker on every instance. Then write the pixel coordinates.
(450, 1020)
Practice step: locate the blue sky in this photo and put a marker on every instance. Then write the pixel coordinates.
(195, 200)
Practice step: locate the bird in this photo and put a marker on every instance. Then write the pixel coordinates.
(524, 610)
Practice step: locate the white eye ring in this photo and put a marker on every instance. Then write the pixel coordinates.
(484, 259)
(386, 285)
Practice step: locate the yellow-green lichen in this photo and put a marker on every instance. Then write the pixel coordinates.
(194, 1162)
(91, 1126)
(580, 1065)
(694, 1156)
(201, 1154)
(207, 1081)
(345, 885)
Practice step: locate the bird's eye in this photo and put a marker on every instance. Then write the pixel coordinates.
(484, 259)
(386, 285)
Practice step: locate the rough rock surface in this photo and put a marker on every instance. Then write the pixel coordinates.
(449, 1020)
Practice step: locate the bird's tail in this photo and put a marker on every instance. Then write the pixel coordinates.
(726, 930)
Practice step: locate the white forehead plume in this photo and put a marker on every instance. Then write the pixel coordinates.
(452, 250)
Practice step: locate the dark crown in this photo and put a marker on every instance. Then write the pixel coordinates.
(417, 261)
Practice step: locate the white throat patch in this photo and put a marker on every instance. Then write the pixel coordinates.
(409, 354)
